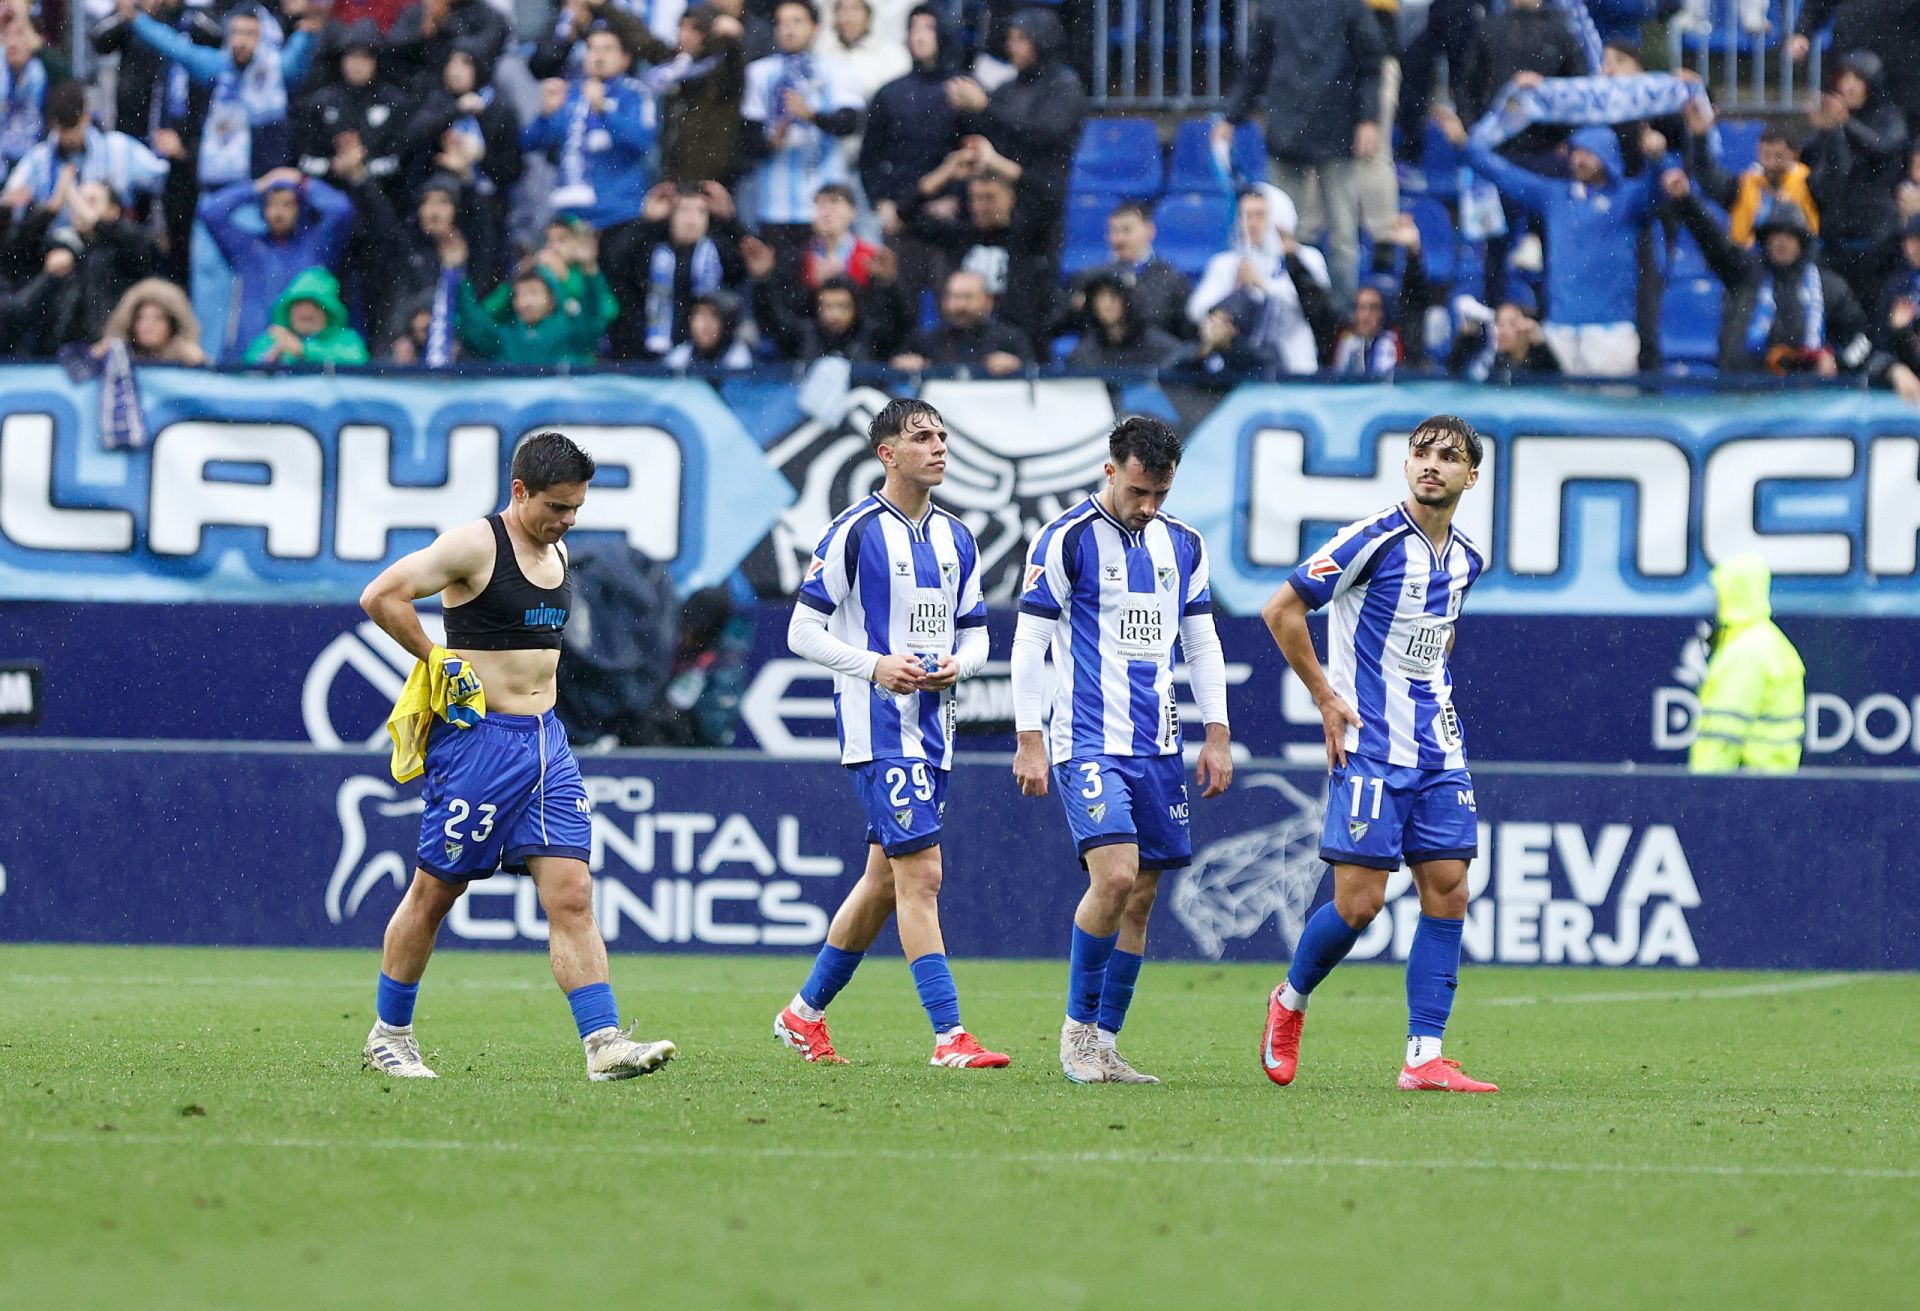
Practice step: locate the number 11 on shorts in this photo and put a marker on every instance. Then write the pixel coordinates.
(1359, 786)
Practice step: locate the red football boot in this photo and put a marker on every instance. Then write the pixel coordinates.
(808, 1037)
(1280, 1045)
(1441, 1075)
(963, 1052)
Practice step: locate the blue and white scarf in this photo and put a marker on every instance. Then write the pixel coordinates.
(123, 424)
(1813, 307)
(575, 189)
(468, 125)
(1367, 357)
(23, 96)
(798, 73)
(705, 278)
(1572, 101)
(1583, 102)
(440, 334)
(683, 67)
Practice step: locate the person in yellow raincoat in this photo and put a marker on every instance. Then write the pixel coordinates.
(1753, 702)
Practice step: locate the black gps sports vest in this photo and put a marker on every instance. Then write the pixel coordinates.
(510, 613)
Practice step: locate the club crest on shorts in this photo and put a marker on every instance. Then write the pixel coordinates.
(1166, 575)
(1097, 811)
(1356, 829)
(901, 817)
(453, 851)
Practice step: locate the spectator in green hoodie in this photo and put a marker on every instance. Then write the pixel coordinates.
(309, 326)
(547, 318)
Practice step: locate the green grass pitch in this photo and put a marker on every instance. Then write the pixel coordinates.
(191, 1128)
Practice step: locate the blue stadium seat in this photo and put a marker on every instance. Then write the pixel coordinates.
(1436, 235)
(1690, 321)
(1086, 243)
(1739, 143)
(1119, 156)
(1190, 166)
(1686, 261)
(1193, 226)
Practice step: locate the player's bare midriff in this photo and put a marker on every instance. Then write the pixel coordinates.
(516, 682)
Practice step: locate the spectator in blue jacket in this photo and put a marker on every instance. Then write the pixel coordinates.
(1592, 222)
(598, 130)
(307, 225)
(246, 133)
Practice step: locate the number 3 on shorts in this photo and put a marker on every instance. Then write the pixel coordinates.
(897, 784)
(1091, 768)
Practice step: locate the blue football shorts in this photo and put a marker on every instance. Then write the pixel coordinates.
(1379, 815)
(1137, 799)
(905, 801)
(499, 792)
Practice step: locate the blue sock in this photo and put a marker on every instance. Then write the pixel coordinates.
(1087, 974)
(1433, 972)
(1123, 971)
(593, 1008)
(1324, 943)
(934, 982)
(393, 1002)
(832, 969)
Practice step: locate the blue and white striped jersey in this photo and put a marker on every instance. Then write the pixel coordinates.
(1119, 597)
(807, 158)
(1395, 599)
(895, 587)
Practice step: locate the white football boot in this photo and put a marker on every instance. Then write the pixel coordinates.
(613, 1054)
(1119, 1071)
(1080, 1053)
(395, 1052)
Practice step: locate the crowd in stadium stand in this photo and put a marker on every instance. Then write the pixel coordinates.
(737, 182)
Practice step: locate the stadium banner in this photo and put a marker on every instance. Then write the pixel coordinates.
(283, 847)
(1530, 688)
(299, 488)
(296, 488)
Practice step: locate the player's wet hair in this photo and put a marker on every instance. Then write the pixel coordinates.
(1153, 442)
(892, 420)
(1448, 430)
(547, 458)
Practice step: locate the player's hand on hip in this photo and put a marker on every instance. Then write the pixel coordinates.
(1335, 717)
(1214, 768)
(1030, 765)
(944, 675)
(899, 674)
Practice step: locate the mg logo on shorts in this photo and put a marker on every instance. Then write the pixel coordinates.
(1464, 797)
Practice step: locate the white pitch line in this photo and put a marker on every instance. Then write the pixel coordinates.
(198, 1142)
(1815, 984)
